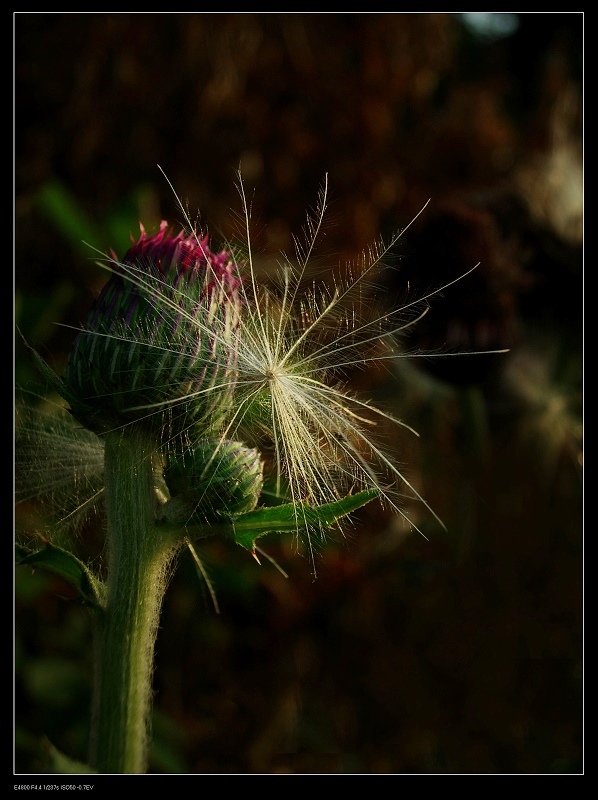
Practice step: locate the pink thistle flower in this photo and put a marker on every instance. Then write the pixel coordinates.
(158, 346)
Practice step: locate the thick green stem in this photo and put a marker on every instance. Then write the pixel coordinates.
(139, 557)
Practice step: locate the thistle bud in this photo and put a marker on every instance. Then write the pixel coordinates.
(212, 481)
(158, 346)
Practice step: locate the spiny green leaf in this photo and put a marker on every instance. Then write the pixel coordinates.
(244, 529)
(67, 566)
(292, 517)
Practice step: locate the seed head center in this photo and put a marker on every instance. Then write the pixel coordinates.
(273, 373)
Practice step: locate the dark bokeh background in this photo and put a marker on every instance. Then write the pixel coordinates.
(461, 653)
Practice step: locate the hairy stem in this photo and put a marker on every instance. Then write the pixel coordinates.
(139, 557)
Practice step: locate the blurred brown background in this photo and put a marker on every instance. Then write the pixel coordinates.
(461, 653)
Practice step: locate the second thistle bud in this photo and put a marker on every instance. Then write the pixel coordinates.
(158, 346)
(213, 480)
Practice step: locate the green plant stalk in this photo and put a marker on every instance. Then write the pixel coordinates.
(139, 557)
